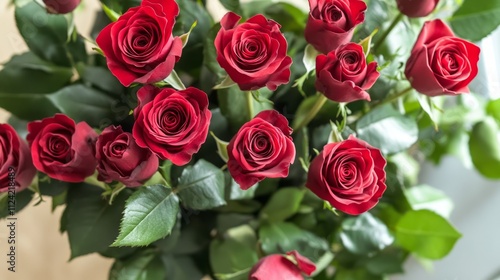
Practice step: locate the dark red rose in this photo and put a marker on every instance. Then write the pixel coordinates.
(139, 47)
(121, 159)
(16, 169)
(440, 63)
(342, 75)
(349, 175)
(331, 22)
(417, 8)
(253, 53)
(62, 149)
(262, 148)
(173, 124)
(61, 6)
(279, 267)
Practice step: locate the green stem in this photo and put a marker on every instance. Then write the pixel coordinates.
(386, 33)
(312, 113)
(249, 99)
(392, 97)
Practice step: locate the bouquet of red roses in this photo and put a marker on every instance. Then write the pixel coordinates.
(281, 142)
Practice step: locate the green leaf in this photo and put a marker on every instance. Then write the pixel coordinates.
(175, 81)
(291, 18)
(234, 252)
(112, 15)
(282, 237)
(26, 73)
(101, 78)
(144, 266)
(366, 43)
(232, 5)
(429, 107)
(493, 109)
(22, 199)
(59, 200)
(386, 262)
(328, 111)
(283, 204)
(427, 197)
(373, 128)
(91, 223)
(426, 234)
(226, 83)
(49, 186)
(201, 186)
(475, 19)
(484, 148)
(168, 243)
(365, 234)
(234, 192)
(309, 59)
(185, 37)
(45, 34)
(150, 214)
(210, 53)
(180, 268)
(221, 147)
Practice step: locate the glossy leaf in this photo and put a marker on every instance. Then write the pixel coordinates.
(365, 234)
(143, 266)
(475, 19)
(485, 149)
(150, 214)
(427, 197)
(283, 204)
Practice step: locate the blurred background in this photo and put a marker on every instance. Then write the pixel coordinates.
(43, 252)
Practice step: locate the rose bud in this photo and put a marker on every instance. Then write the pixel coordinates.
(349, 175)
(253, 53)
(62, 149)
(139, 47)
(440, 63)
(172, 124)
(331, 22)
(61, 6)
(417, 8)
(279, 267)
(121, 159)
(16, 169)
(262, 148)
(342, 75)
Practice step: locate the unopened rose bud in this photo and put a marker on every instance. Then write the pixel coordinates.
(61, 6)
(417, 8)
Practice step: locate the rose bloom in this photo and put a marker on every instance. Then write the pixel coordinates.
(139, 47)
(16, 169)
(62, 149)
(331, 22)
(61, 6)
(342, 75)
(279, 267)
(262, 148)
(440, 63)
(121, 159)
(172, 124)
(417, 8)
(253, 53)
(349, 175)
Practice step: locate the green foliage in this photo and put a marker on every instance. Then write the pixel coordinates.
(484, 148)
(283, 204)
(475, 19)
(365, 235)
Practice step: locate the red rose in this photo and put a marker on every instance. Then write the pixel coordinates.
(262, 148)
(61, 6)
(343, 76)
(121, 159)
(279, 267)
(61, 149)
(173, 124)
(349, 175)
(331, 22)
(440, 63)
(139, 46)
(253, 53)
(16, 169)
(417, 8)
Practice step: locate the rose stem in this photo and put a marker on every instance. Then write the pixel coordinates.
(386, 33)
(249, 98)
(312, 113)
(392, 97)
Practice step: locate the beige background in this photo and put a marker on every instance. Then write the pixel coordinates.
(42, 252)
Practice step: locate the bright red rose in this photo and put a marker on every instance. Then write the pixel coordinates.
(349, 175)
(417, 8)
(279, 267)
(331, 22)
(253, 53)
(139, 47)
(121, 159)
(342, 75)
(262, 148)
(16, 169)
(440, 63)
(61, 6)
(173, 124)
(62, 149)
